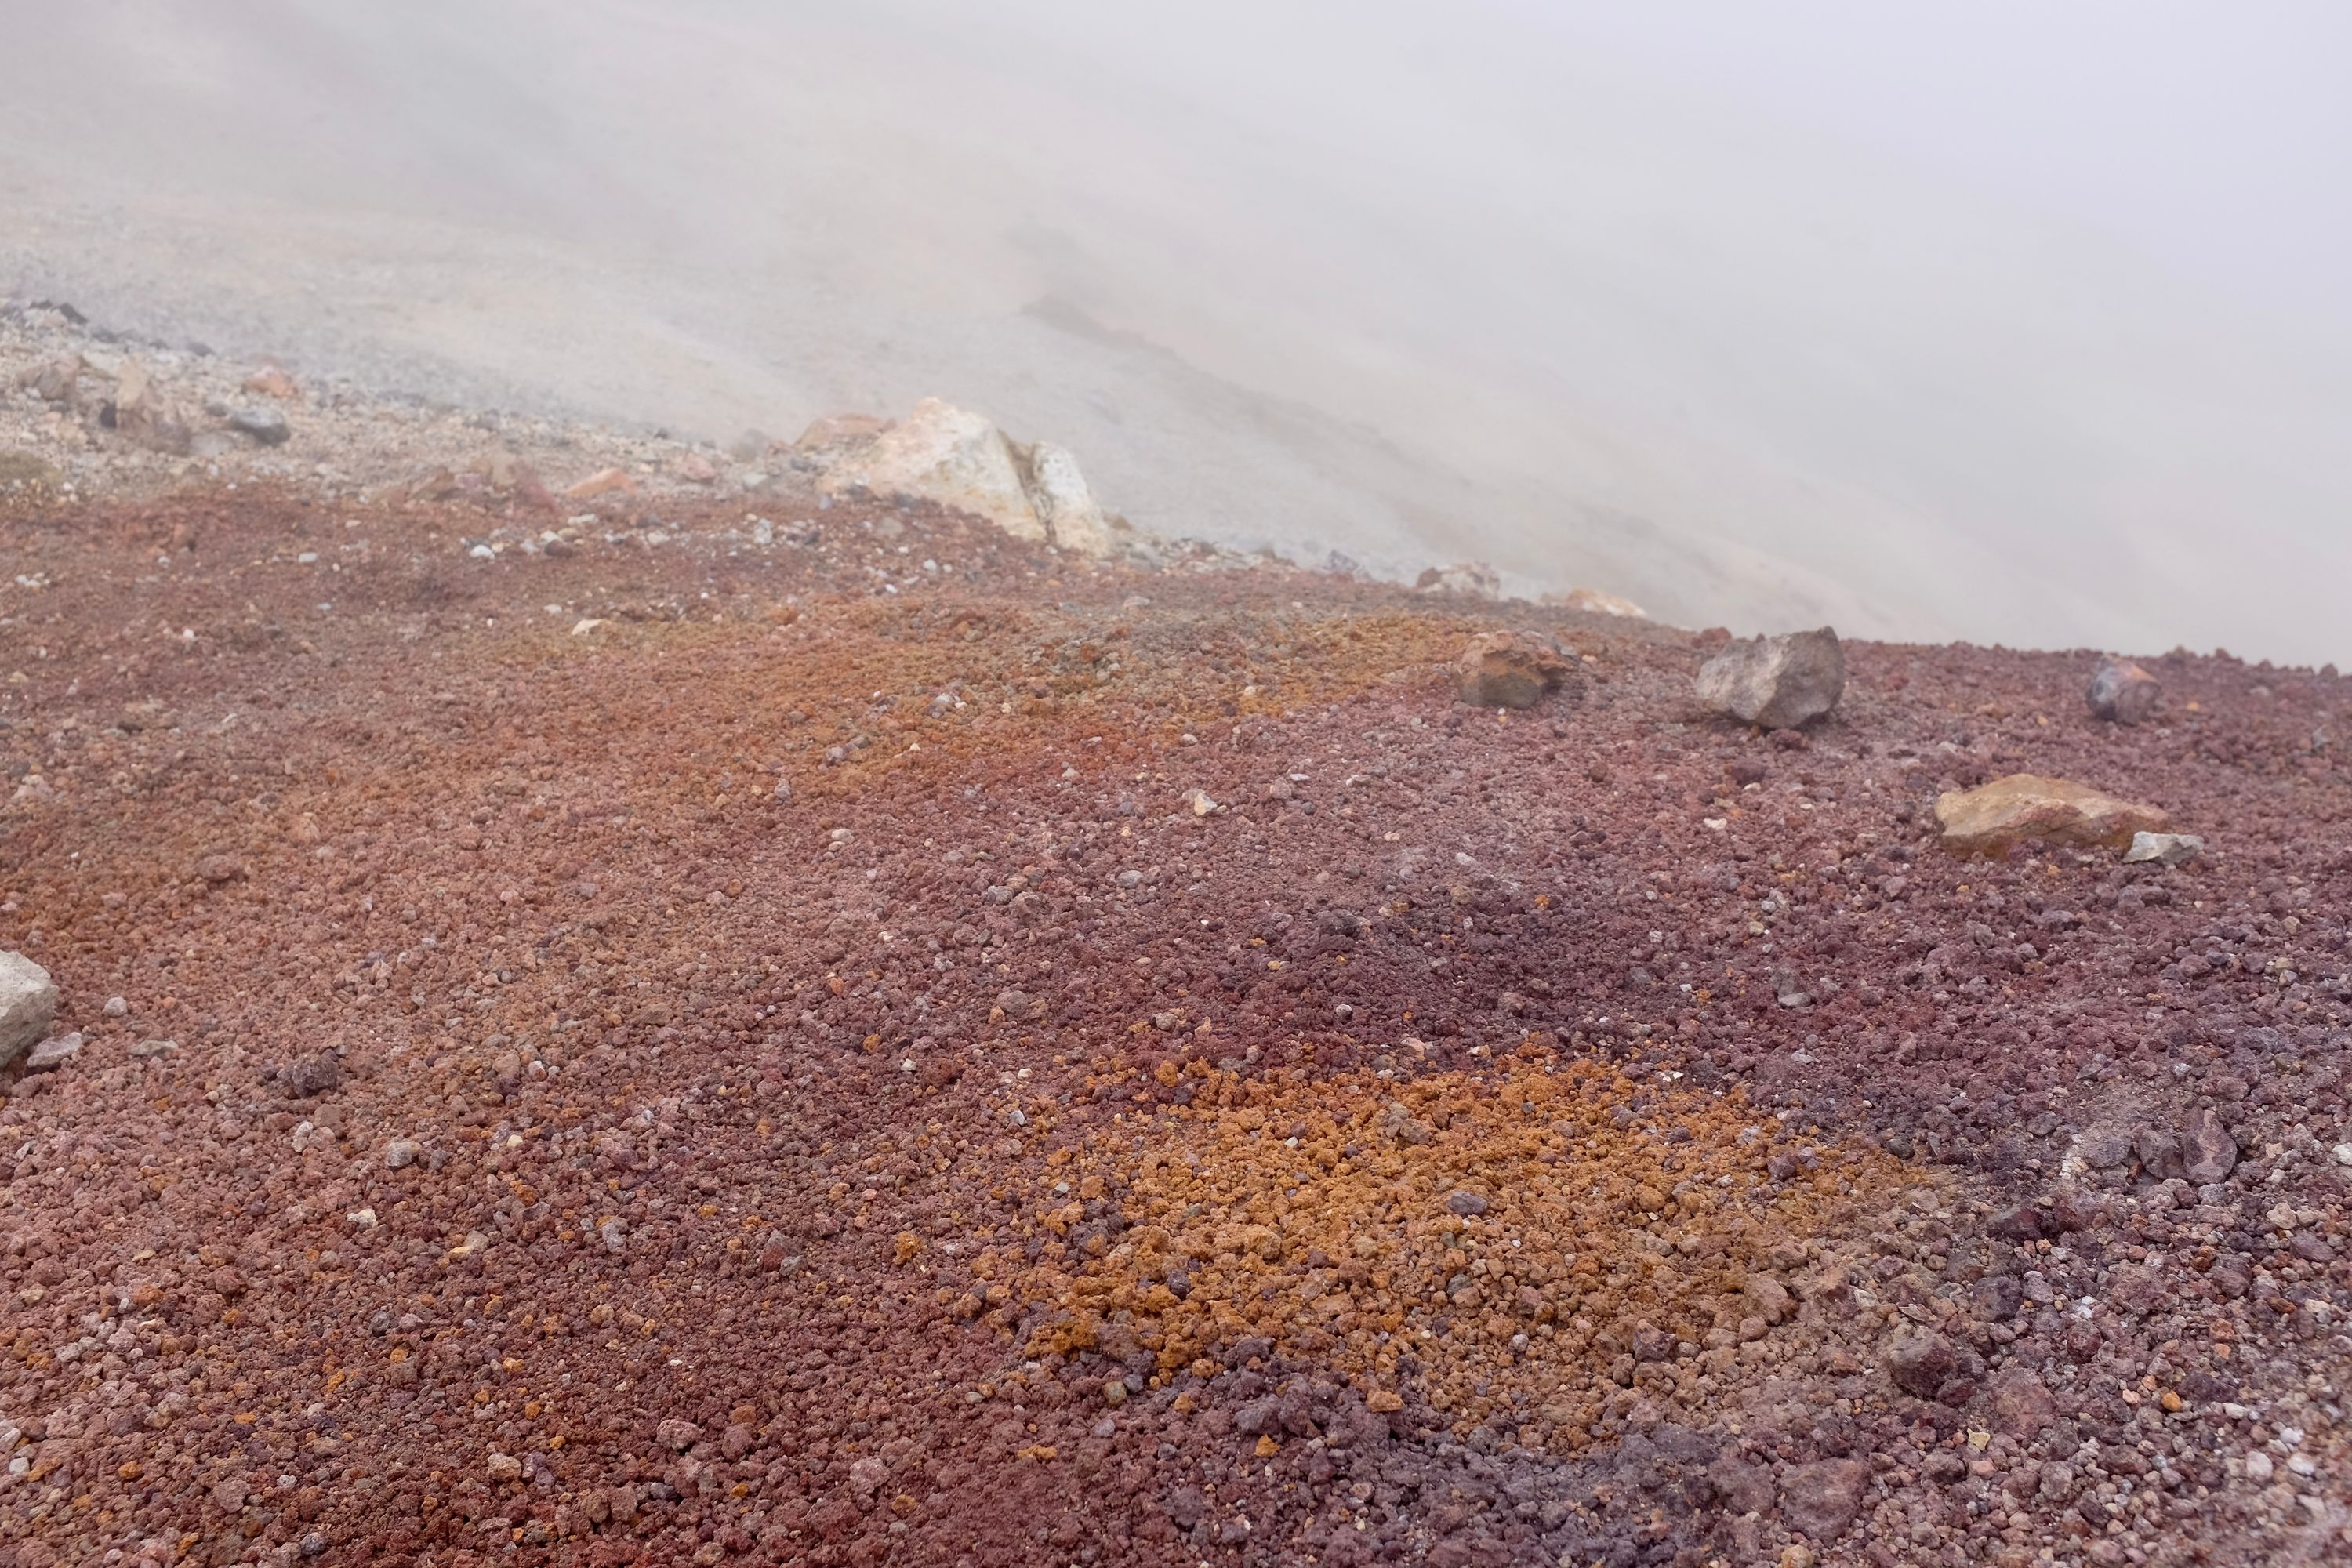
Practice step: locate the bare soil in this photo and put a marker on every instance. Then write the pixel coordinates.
(851, 1039)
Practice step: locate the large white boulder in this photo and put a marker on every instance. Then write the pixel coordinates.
(958, 458)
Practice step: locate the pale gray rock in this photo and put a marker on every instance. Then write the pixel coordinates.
(1779, 683)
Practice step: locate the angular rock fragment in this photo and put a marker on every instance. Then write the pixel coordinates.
(54, 1053)
(1779, 683)
(1470, 579)
(2166, 848)
(1822, 1499)
(2028, 808)
(2207, 1153)
(958, 458)
(28, 1005)
(1508, 670)
(1921, 1363)
(1593, 602)
(142, 414)
(265, 426)
(2122, 692)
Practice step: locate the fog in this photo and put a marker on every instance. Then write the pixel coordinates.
(2006, 321)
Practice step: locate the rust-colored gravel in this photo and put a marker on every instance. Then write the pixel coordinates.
(1520, 1240)
(527, 1133)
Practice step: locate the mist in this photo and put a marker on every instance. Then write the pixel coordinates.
(2005, 322)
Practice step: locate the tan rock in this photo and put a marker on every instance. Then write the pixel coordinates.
(2027, 808)
(1593, 602)
(1508, 670)
(601, 482)
(142, 414)
(271, 380)
(1471, 579)
(835, 431)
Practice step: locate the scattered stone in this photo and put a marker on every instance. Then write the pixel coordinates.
(313, 1076)
(28, 1005)
(2170, 849)
(401, 1153)
(750, 447)
(1921, 1361)
(266, 426)
(271, 380)
(53, 1053)
(1593, 602)
(1470, 579)
(503, 1468)
(1508, 670)
(1779, 683)
(2207, 1153)
(2019, 1402)
(140, 414)
(603, 481)
(1468, 1205)
(1822, 1499)
(2028, 808)
(679, 1434)
(2122, 692)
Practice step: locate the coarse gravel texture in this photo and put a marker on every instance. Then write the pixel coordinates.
(698, 1035)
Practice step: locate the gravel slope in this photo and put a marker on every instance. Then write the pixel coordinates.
(740, 1032)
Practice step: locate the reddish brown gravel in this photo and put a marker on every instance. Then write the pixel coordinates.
(839, 1038)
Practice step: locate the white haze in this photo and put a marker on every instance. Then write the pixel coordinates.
(2019, 322)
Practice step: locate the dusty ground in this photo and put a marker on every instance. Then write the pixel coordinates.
(735, 1033)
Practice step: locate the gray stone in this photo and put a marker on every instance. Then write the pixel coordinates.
(2122, 692)
(28, 1005)
(53, 1053)
(2170, 848)
(1779, 683)
(265, 426)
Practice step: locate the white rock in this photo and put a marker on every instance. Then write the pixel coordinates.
(1059, 495)
(28, 1005)
(2171, 848)
(958, 458)
(949, 455)
(2344, 1153)
(2258, 1467)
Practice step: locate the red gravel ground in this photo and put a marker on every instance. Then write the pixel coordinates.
(1159, 1082)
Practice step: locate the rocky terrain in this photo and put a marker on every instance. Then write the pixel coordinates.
(694, 1021)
